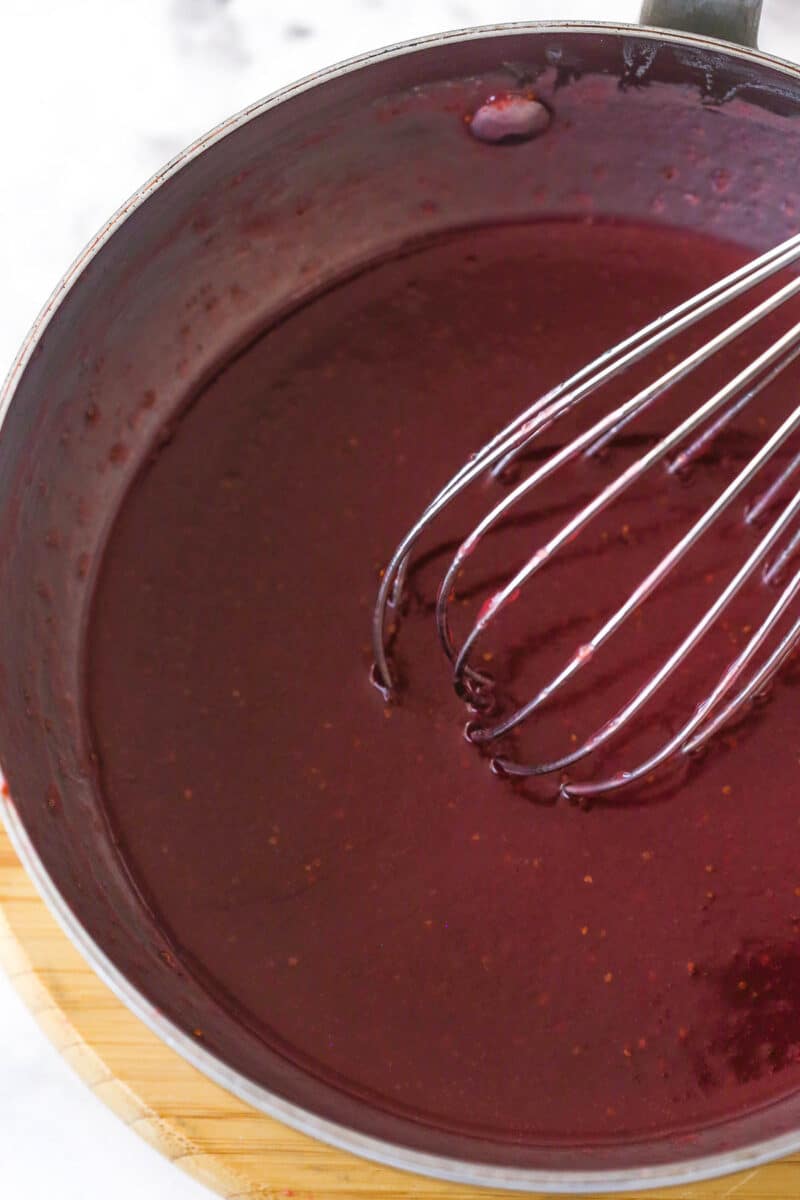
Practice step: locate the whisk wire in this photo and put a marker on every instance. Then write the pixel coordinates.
(590, 377)
(623, 481)
(702, 426)
(702, 712)
(665, 671)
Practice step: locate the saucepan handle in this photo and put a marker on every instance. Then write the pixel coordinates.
(730, 20)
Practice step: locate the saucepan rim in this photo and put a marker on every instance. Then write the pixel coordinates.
(480, 1174)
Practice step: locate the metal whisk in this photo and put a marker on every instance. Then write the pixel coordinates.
(752, 670)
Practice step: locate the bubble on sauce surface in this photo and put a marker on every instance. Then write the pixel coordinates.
(508, 118)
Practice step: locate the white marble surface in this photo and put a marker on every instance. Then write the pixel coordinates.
(95, 95)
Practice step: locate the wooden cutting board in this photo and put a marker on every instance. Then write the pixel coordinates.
(199, 1126)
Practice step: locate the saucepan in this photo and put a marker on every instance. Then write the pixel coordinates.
(686, 123)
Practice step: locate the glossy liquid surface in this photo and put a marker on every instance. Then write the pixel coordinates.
(350, 874)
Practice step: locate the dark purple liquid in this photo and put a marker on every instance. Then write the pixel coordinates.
(350, 875)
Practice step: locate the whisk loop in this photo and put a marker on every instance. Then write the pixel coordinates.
(679, 450)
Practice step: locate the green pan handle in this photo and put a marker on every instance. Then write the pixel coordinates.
(730, 20)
